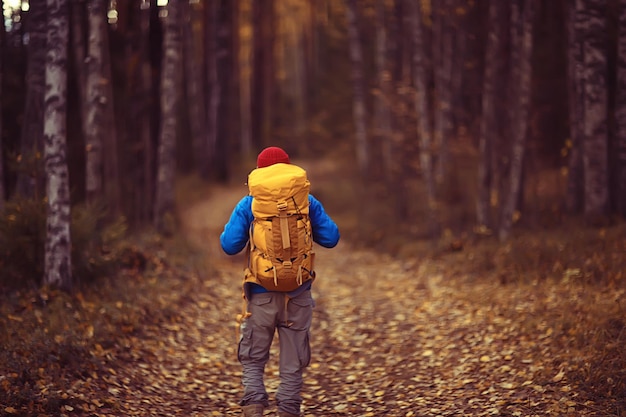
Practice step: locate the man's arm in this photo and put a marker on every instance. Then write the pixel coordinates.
(325, 231)
(236, 232)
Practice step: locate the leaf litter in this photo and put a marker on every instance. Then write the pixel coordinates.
(390, 337)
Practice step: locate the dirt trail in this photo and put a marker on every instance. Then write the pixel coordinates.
(389, 338)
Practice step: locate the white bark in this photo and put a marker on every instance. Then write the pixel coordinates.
(58, 264)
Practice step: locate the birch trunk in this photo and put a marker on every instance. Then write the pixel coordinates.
(58, 264)
(170, 94)
(522, 42)
(574, 197)
(620, 112)
(32, 126)
(96, 101)
(595, 144)
(358, 85)
(494, 68)
(423, 116)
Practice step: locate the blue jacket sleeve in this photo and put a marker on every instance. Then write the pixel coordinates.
(325, 231)
(237, 231)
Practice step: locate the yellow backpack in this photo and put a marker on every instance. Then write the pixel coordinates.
(281, 243)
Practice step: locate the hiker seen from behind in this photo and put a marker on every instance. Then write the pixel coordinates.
(277, 223)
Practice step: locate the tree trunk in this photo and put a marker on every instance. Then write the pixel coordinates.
(2, 45)
(32, 128)
(521, 48)
(170, 94)
(213, 88)
(95, 103)
(595, 144)
(58, 264)
(444, 37)
(575, 188)
(193, 82)
(262, 89)
(383, 100)
(423, 116)
(244, 60)
(358, 83)
(620, 113)
(494, 69)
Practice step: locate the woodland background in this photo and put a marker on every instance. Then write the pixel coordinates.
(477, 144)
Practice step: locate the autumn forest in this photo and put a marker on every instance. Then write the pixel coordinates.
(472, 153)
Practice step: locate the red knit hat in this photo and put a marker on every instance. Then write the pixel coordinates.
(270, 156)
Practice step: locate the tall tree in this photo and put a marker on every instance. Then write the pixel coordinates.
(2, 45)
(575, 25)
(58, 264)
(32, 125)
(595, 120)
(263, 72)
(193, 83)
(170, 95)
(620, 112)
(444, 17)
(96, 101)
(494, 70)
(358, 86)
(423, 115)
(383, 99)
(521, 51)
(213, 87)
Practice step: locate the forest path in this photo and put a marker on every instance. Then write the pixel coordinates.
(389, 338)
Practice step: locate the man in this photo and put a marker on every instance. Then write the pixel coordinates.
(288, 312)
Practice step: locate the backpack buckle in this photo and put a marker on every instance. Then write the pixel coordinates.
(287, 264)
(281, 205)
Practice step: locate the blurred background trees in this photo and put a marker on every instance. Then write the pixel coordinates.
(446, 117)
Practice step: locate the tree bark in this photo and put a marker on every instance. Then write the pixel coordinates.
(170, 94)
(595, 144)
(383, 100)
(58, 264)
(95, 103)
(521, 48)
(358, 85)
(620, 112)
(494, 69)
(213, 87)
(444, 37)
(193, 82)
(423, 116)
(32, 128)
(574, 196)
(2, 46)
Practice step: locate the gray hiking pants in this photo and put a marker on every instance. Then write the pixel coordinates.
(292, 318)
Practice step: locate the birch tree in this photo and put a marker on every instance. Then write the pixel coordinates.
(58, 263)
(96, 101)
(620, 112)
(358, 86)
(32, 126)
(170, 95)
(422, 109)
(595, 144)
(521, 47)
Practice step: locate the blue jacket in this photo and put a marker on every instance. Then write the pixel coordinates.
(236, 232)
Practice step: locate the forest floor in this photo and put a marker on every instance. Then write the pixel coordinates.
(390, 337)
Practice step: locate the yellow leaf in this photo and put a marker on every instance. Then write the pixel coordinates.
(10, 410)
(485, 358)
